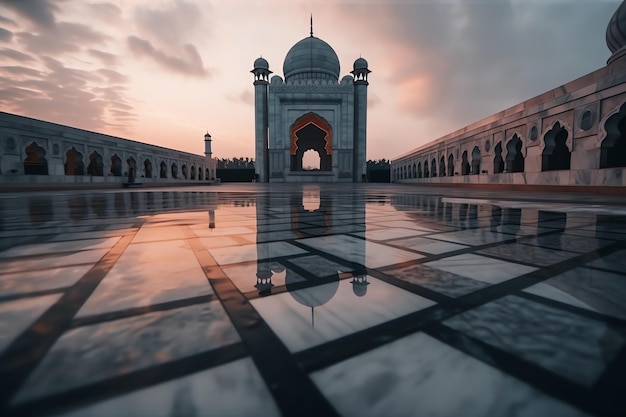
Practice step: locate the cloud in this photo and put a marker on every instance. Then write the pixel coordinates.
(107, 12)
(112, 77)
(186, 61)
(177, 20)
(6, 20)
(457, 62)
(246, 97)
(71, 96)
(40, 12)
(62, 38)
(15, 55)
(104, 57)
(5, 35)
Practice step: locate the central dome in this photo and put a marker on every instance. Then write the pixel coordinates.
(311, 58)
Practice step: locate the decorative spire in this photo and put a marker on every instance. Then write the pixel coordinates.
(311, 24)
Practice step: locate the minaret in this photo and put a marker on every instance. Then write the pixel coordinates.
(360, 73)
(261, 73)
(209, 155)
(207, 146)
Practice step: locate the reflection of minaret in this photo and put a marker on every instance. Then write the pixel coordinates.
(212, 203)
(359, 285)
(263, 268)
(211, 218)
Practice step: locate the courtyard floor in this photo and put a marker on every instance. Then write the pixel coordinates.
(320, 300)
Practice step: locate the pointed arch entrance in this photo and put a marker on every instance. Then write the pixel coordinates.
(311, 131)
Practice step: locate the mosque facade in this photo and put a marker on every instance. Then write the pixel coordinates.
(573, 135)
(310, 110)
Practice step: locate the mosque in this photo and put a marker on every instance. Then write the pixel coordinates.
(310, 110)
(573, 135)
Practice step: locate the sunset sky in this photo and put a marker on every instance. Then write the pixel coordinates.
(163, 72)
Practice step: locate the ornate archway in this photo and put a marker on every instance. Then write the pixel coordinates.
(311, 131)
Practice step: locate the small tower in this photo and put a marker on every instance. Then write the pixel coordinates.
(207, 146)
(360, 73)
(261, 73)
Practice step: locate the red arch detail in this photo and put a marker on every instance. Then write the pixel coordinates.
(320, 122)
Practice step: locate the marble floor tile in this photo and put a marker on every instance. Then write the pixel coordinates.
(53, 261)
(253, 252)
(233, 389)
(587, 288)
(421, 376)
(406, 224)
(443, 282)
(370, 254)
(473, 237)
(45, 279)
(149, 273)
(390, 233)
(16, 316)
(219, 241)
(614, 262)
(92, 235)
(481, 268)
(244, 275)
(205, 231)
(572, 346)
(427, 245)
(318, 266)
(126, 345)
(568, 243)
(311, 316)
(156, 234)
(530, 254)
(58, 247)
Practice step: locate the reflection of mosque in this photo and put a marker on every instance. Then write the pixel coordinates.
(308, 214)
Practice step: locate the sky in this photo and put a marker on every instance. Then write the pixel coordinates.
(166, 72)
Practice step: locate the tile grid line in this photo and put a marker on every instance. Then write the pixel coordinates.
(293, 391)
(25, 352)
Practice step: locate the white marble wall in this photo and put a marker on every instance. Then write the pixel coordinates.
(17, 133)
(601, 94)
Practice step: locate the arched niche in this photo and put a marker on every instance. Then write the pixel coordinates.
(613, 147)
(35, 162)
(465, 165)
(311, 131)
(74, 164)
(476, 159)
(116, 165)
(498, 161)
(514, 156)
(556, 155)
(96, 164)
(450, 165)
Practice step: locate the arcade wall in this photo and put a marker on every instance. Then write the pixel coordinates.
(35, 151)
(572, 135)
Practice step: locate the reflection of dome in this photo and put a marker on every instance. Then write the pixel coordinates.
(359, 64)
(311, 58)
(313, 296)
(359, 285)
(261, 63)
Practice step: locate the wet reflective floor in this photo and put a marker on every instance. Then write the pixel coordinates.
(355, 300)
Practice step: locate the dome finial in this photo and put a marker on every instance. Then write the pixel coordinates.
(311, 24)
